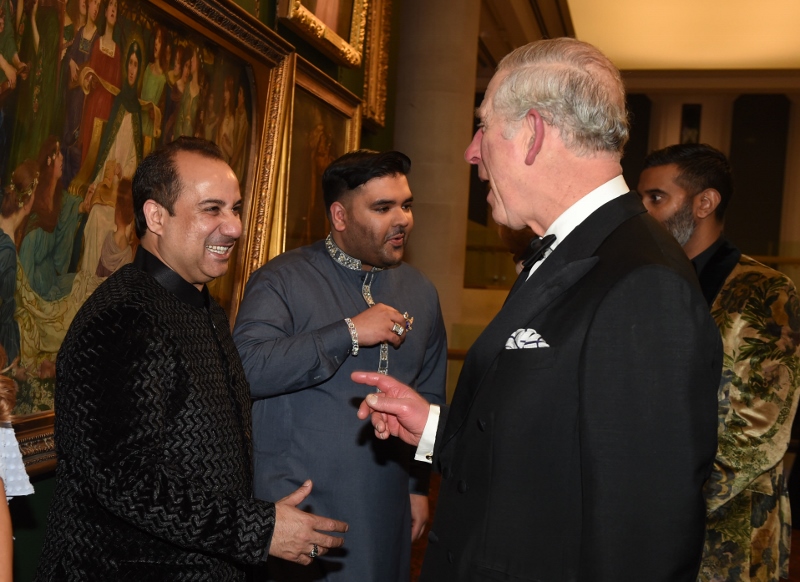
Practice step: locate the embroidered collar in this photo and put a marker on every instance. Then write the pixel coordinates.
(108, 49)
(349, 262)
(343, 258)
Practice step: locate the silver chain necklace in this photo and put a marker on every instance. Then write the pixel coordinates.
(353, 264)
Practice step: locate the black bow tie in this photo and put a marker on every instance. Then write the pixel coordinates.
(538, 248)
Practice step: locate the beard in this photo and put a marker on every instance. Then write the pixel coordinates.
(681, 225)
(372, 247)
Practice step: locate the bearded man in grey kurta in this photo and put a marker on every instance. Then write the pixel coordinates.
(308, 319)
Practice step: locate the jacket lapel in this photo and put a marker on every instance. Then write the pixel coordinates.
(563, 268)
(524, 306)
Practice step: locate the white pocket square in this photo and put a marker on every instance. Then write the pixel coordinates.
(525, 339)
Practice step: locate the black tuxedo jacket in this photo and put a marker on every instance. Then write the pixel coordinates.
(584, 460)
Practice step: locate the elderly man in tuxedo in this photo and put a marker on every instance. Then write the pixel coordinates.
(584, 422)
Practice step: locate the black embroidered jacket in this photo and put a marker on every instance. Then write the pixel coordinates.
(153, 439)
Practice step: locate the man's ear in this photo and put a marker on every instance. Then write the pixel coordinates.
(338, 216)
(154, 216)
(535, 125)
(706, 203)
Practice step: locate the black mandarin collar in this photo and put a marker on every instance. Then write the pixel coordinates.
(170, 280)
(701, 261)
(714, 265)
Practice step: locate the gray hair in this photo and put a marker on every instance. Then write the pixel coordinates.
(573, 86)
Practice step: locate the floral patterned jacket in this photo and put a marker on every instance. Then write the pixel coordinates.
(749, 521)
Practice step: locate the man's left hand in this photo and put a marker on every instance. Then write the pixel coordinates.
(397, 410)
(420, 514)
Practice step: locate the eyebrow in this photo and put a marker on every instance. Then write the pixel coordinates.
(383, 202)
(655, 191)
(217, 201)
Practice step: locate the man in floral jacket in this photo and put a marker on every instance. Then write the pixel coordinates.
(687, 188)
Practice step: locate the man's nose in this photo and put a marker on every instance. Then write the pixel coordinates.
(232, 226)
(473, 153)
(402, 217)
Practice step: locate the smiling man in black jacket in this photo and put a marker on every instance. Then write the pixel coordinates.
(153, 480)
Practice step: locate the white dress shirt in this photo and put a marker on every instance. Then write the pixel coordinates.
(580, 211)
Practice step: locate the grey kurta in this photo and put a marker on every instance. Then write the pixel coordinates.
(295, 347)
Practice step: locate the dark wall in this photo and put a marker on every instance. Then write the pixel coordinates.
(636, 148)
(758, 157)
(477, 208)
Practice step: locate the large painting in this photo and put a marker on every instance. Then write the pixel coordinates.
(325, 124)
(90, 87)
(336, 27)
(376, 63)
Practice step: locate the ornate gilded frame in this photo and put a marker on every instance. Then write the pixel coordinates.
(35, 437)
(331, 94)
(376, 63)
(346, 52)
(270, 61)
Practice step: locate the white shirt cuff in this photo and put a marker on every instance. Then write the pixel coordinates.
(425, 447)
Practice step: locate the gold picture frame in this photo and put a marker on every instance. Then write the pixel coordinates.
(376, 63)
(325, 123)
(236, 43)
(335, 27)
(34, 434)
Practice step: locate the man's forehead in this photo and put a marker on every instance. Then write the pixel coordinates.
(391, 185)
(486, 106)
(200, 172)
(665, 173)
(483, 111)
(191, 165)
(664, 179)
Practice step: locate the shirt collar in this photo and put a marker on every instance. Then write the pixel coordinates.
(701, 261)
(573, 216)
(583, 208)
(170, 280)
(341, 257)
